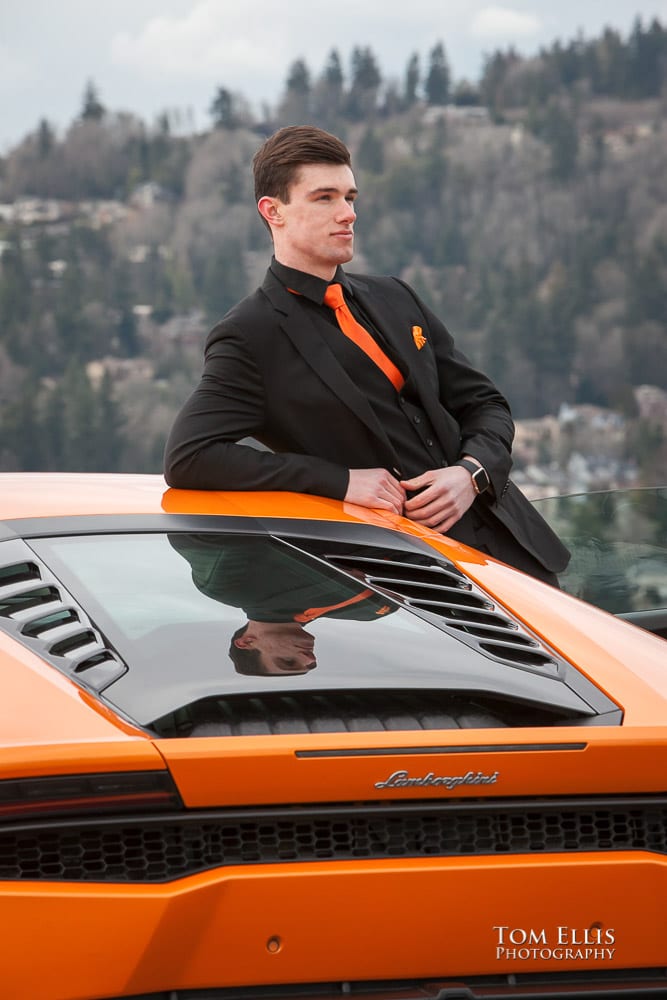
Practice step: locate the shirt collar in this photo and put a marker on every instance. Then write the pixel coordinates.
(308, 285)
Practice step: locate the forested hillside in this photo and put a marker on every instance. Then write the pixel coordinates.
(529, 208)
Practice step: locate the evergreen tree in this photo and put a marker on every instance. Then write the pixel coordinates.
(327, 94)
(493, 85)
(647, 285)
(438, 77)
(20, 431)
(647, 62)
(53, 431)
(80, 444)
(560, 133)
(15, 288)
(45, 138)
(224, 279)
(108, 431)
(298, 78)
(608, 64)
(366, 80)
(370, 155)
(295, 107)
(333, 73)
(412, 80)
(223, 109)
(92, 109)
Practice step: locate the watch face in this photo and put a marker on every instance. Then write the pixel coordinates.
(480, 480)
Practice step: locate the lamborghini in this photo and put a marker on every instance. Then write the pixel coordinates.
(268, 745)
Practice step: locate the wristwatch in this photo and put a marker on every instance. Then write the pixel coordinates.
(480, 478)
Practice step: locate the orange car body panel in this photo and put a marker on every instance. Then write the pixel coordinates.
(252, 770)
(300, 922)
(376, 920)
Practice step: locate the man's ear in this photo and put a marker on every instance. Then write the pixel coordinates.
(269, 209)
(245, 641)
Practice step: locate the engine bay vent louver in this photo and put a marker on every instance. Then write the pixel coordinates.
(37, 611)
(279, 714)
(439, 590)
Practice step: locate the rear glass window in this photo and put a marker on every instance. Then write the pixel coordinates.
(196, 616)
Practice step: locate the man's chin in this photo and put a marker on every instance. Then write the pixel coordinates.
(344, 253)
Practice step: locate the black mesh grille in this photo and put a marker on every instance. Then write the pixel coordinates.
(436, 587)
(157, 850)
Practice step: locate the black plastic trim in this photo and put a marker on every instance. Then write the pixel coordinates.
(418, 751)
(612, 984)
(86, 524)
(60, 631)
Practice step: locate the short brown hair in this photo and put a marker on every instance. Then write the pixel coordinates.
(276, 163)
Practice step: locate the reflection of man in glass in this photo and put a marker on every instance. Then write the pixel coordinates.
(281, 590)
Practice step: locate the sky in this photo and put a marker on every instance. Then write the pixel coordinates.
(148, 56)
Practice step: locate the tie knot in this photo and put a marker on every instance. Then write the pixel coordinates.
(333, 297)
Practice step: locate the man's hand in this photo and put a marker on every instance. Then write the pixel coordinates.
(446, 494)
(376, 488)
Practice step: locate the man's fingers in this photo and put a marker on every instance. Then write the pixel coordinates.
(375, 488)
(415, 484)
(425, 498)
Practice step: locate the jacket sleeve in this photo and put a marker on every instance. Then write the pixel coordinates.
(202, 450)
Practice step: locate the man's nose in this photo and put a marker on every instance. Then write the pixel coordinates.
(347, 212)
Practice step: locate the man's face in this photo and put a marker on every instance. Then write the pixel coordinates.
(284, 647)
(314, 230)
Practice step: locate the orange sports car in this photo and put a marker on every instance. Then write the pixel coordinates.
(275, 746)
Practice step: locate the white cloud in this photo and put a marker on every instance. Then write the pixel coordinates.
(14, 71)
(209, 42)
(246, 41)
(497, 23)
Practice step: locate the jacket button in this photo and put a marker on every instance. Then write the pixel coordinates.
(418, 420)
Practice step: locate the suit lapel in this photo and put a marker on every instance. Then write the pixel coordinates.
(393, 327)
(399, 327)
(387, 321)
(306, 337)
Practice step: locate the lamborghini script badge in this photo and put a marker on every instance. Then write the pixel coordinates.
(402, 779)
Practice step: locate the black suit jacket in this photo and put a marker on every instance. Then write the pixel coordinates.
(270, 375)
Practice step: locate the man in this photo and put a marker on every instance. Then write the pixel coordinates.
(391, 416)
(280, 591)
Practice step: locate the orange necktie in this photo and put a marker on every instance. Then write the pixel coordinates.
(333, 298)
(310, 614)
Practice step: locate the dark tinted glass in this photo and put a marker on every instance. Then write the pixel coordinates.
(199, 616)
(618, 541)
